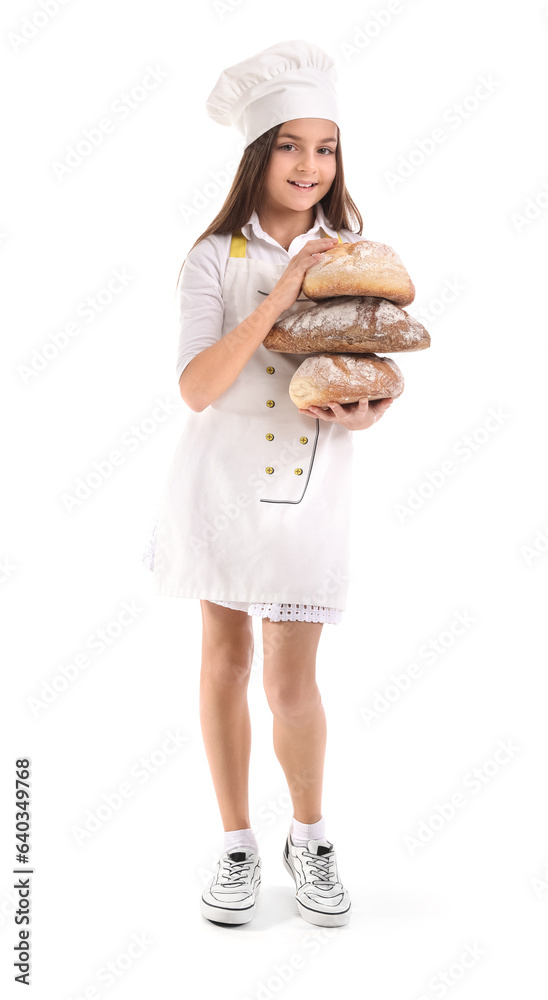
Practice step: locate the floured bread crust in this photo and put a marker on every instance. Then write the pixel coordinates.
(360, 268)
(356, 324)
(344, 378)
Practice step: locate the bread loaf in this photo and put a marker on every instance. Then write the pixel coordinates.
(353, 324)
(360, 268)
(344, 378)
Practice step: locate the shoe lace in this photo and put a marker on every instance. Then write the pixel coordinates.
(320, 865)
(234, 872)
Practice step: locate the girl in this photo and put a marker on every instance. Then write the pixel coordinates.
(254, 516)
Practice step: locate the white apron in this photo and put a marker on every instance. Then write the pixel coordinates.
(257, 499)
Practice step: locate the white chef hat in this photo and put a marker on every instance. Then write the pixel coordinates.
(288, 80)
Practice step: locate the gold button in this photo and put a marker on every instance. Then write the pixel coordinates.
(297, 472)
(270, 370)
(269, 469)
(270, 402)
(269, 437)
(303, 440)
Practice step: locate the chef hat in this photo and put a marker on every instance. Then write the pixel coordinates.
(286, 81)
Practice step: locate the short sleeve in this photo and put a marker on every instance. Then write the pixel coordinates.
(200, 301)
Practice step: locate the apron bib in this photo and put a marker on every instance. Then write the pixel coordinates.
(257, 499)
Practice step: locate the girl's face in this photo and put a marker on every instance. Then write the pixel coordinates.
(304, 152)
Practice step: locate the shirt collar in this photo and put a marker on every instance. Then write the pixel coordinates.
(253, 225)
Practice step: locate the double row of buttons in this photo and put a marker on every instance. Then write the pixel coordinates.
(270, 437)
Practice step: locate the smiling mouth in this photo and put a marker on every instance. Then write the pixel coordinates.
(304, 187)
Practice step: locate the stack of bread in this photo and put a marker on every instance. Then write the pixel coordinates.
(360, 289)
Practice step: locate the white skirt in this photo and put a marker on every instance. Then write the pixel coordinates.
(274, 612)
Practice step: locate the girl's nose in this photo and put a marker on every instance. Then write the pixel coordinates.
(308, 163)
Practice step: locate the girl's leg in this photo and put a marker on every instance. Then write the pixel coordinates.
(227, 655)
(299, 725)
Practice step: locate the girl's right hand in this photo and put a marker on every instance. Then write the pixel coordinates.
(287, 289)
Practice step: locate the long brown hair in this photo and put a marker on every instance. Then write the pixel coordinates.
(246, 192)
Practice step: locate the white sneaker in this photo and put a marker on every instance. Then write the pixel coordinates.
(321, 897)
(231, 895)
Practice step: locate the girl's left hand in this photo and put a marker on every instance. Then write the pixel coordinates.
(355, 416)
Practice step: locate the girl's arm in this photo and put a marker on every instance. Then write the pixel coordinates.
(214, 369)
(211, 372)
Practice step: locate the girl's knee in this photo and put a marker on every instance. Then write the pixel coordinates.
(227, 668)
(292, 702)
(227, 653)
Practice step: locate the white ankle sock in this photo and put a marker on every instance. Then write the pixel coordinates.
(239, 840)
(301, 833)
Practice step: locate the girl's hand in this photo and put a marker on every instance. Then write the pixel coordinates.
(288, 287)
(355, 416)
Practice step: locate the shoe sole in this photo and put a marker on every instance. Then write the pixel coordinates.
(227, 915)
(317, 917)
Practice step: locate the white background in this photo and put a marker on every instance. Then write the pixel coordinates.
(468, 220)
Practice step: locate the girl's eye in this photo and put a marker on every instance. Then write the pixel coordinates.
(288, 145)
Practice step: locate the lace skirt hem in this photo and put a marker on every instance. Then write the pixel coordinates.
(286, 612)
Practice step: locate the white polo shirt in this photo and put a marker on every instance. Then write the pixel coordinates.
(200, 288)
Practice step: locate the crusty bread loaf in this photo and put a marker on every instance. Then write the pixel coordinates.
(344, 378)
(355, 324)
(360, 268)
